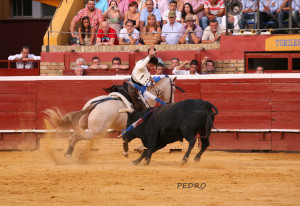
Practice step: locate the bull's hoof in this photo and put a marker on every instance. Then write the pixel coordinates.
(183, 161)
(135, 162)
(125, 154)
(146, 162)
(197, 158)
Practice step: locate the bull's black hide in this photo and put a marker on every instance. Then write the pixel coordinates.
(171, 123)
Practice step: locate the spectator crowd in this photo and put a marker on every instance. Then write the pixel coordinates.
(186, 68)
(133, 22)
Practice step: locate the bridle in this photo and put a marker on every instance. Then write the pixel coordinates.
(158, 92)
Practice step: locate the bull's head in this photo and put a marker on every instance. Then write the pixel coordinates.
(134, 121)
(128, 136)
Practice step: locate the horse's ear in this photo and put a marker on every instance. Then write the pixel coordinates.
(174, 79)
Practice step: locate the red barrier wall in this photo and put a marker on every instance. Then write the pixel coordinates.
(268, 105)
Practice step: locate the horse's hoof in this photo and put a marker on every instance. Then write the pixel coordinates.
(183, 161)
(67, 156)
(126, 155)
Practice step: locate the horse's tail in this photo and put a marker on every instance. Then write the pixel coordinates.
(67, 121)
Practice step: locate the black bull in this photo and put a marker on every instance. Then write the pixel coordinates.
(171, 123)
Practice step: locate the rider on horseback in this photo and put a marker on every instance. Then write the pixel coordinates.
(141, 76)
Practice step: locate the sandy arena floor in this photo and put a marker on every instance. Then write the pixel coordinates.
(104, 177)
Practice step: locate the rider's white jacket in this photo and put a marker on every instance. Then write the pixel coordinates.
(140, 72)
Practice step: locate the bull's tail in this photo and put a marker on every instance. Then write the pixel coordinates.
(67, 121)
(212, 107)
(210, 118)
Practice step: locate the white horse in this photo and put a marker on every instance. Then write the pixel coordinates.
(94, 120)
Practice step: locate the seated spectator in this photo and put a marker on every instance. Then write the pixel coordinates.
(116, 64)
(149, 10)
(141, 5)
(173, 27)
(174, 63)
(102, 5)
(193, 68)
(180, 4)
(151, 33)
(95, 15)
(259, 70)
(267, 9)
(107, 36)
(96, 64)
(248, 12)
(114, 16)
(86, 32)
(129, 35)
(133, 15)
(159, 69)
(232, 20)
(198, 8)
(208, 66)
(78, 71)
(213, 9)
(172, 7)
(122, 5)
(24, 55)
(161, 5)
(188, 9)
(80, 66)
(282, 12)
(212, 33)
(191, 33)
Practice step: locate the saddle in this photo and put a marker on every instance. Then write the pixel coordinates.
(121, 91)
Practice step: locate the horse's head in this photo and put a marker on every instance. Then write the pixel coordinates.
(164, 89)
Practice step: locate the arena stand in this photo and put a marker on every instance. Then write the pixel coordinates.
(257, 112)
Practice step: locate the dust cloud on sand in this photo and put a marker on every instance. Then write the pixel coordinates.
(98, 174)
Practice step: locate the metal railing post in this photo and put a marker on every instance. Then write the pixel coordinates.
(290, 16)
(47, 47)
(258, 16)
(226, 13)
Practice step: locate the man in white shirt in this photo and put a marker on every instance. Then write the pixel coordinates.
(80, 67)
(193, 68)
(170, 31)
(129, 35)
(172, 7)
(212, 33)
(24, 56)
(141, 76)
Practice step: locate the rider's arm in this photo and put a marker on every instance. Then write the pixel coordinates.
(142, 64)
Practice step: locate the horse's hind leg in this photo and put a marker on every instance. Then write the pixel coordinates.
(205, 144)
(72, 142)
